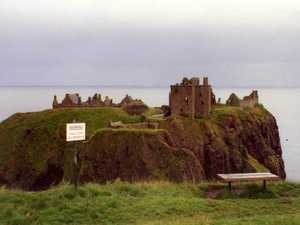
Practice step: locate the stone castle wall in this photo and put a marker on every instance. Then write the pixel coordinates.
(181, 100)
(190, 98)
(248, 101)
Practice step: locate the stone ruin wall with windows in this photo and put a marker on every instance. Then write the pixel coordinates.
(190, 98)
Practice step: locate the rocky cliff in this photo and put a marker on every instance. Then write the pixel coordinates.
(232, 140)
(34, 155)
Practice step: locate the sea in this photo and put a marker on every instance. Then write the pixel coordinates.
(284, 104)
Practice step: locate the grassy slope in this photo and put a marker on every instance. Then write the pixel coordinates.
(52, 119)
(49, 124)
(152, 203)
(221, 110)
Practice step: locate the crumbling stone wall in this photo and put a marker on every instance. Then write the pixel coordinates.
(74, 100)
(70, 100)
(248, 101)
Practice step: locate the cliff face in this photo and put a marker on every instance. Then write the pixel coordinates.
(134, 155)
(231, 142)
(234, 141)
(34, 155)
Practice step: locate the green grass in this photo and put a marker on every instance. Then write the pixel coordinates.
(131, 130)
(153, 203)
(52, 119)
(220, 111)
(153, 111)
(258, 166)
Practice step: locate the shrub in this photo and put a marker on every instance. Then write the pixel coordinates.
(135, 108)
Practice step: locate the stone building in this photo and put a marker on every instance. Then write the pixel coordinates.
(70, 100)
(127, 100)
(190, 98)
(248, 101)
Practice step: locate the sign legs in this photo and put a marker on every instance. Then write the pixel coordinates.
(229, 186)
(265, 184)
(76, 169)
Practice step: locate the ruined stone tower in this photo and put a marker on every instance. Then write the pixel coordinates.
(190, 98)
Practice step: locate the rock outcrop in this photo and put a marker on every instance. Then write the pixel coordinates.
(231, 143)
(34, 155)
(134, 155)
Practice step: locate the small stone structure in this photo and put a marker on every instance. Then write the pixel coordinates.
(127, 100)
(190, 98)
(144, 125)
(69, 101)
(74, 100)
(248, 101)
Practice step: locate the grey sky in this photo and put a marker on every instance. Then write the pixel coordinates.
(89, 42)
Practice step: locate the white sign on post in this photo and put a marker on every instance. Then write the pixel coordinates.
(76, 132)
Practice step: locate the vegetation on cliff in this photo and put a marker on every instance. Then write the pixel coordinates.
(33, 151)
(35, 156)
(153, 204)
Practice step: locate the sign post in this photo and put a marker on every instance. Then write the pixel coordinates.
(76, 132)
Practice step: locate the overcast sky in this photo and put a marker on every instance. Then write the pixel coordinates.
(147, 42)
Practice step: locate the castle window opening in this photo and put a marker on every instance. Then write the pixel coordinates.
(186, 99)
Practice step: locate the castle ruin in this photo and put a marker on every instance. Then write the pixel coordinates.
(190, 98)
(74, 100)
(248, 101)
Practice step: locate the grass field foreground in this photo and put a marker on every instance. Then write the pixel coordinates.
(153, 203)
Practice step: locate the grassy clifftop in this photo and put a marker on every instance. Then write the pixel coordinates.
(49, 126)
(34, 154)
(53, 119)
(31, 144)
